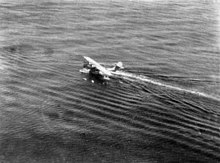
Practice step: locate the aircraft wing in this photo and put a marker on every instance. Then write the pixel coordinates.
(103, 70)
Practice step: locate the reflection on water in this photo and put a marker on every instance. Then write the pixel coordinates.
(163, 107)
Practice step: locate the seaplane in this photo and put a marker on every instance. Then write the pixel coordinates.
(94, 68)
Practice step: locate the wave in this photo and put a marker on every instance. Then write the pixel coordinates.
(132, 77)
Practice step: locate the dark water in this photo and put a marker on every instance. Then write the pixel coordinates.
(164, 107)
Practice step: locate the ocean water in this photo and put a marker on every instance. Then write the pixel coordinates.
(163, 107)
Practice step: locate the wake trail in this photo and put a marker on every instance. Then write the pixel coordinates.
(130, 76)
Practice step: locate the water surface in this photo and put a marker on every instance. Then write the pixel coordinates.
(164, 107)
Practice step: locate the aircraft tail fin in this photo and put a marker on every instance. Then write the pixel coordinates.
(118, 66)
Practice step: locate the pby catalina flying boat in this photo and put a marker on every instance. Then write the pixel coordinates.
(94, 68)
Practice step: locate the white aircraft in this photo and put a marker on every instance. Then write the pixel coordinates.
(94, 68)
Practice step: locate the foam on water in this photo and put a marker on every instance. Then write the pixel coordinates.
(130, 76)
